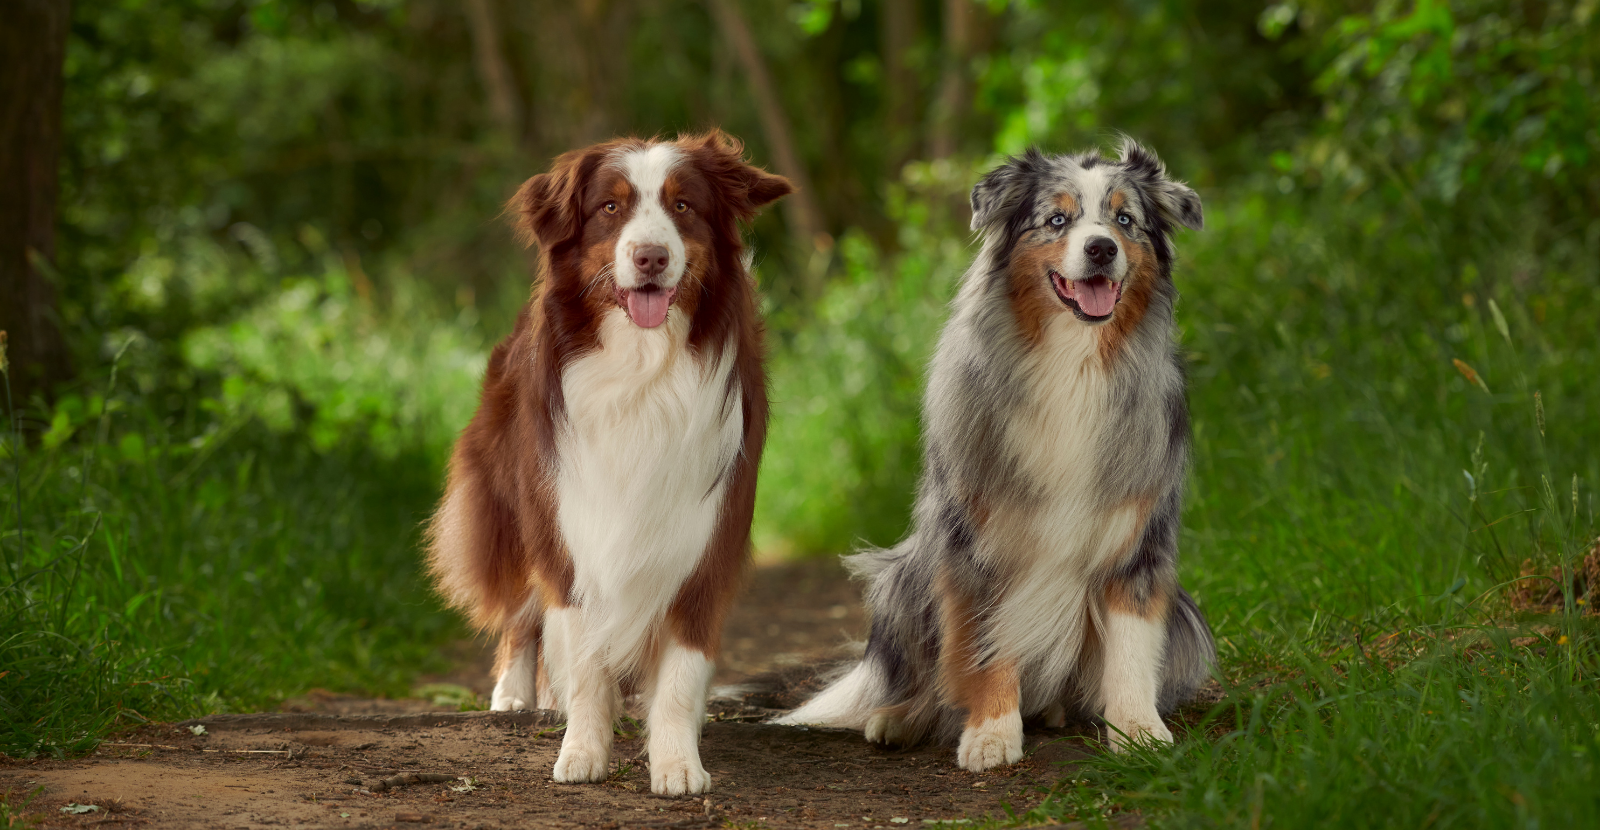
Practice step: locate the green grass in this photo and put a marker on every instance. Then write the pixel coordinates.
(178, 553)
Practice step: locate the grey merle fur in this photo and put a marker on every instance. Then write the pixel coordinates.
(975, 389)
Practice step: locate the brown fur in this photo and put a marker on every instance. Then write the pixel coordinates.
(983, 689)
(494, 543)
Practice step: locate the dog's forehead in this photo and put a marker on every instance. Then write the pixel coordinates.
(646, 166)
(1088, 181)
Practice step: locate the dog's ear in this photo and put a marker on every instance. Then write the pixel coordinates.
(1176, 201)
(548, 209)
(745, 187)
(997, 194)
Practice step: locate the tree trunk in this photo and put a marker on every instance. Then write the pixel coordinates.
(898, 29)
(950, 108)
(800, 209)
(488, 51)
(33, 45)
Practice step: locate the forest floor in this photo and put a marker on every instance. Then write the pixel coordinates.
(328, 760)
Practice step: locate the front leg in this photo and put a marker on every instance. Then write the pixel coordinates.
(677, 710)
(1134, 640)
(987, 689)
(588, 694)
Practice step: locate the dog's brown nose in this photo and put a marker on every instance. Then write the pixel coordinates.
(1100, 250)
(651, 260)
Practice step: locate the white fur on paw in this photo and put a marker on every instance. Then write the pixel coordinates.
(678, 776)
(885, 729)
(507, 704)
(1130, 731)
(582, 764)
(992, 743)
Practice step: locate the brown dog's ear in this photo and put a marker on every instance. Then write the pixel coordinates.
(547, 209)
(745, 187)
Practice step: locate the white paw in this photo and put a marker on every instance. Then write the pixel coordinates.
(990, 744)
(582, 764)
(1125, 732)
(885, 729)
(678, 776)
(506, 703)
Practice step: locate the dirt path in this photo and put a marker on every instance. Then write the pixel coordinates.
(322, 763)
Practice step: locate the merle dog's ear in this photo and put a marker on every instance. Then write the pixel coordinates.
(997, 195)
(548, 209)
(1177, 202)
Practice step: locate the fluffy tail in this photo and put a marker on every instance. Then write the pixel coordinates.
(845, 703)
(853, 696)
(1190, 653)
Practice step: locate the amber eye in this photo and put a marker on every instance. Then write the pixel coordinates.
(681, 206)
(610, 207)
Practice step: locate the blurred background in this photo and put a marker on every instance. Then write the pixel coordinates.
(250, 311)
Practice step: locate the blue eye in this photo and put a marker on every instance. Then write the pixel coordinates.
(1124, 220)
(1058, 220)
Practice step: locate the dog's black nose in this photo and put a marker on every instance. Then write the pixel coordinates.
(1100, 250)
(651, 260)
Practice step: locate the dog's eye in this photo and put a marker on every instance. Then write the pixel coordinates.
(681, 206)
(1124, 219)
(610, 207)
(1058, 220)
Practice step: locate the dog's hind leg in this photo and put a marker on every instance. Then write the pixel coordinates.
(517, 663)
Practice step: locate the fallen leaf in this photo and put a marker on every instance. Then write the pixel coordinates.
(198, 729)
(79, 809)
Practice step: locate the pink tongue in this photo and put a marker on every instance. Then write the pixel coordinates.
(648, 309)
(1095, 296)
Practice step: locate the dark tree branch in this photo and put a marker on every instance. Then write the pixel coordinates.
(33, 45)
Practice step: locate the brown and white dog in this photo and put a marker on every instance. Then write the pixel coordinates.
(597, 512)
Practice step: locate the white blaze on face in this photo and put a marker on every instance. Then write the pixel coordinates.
(1096, 221)
(647, 170)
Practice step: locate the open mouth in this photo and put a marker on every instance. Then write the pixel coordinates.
(646, 305)
(1092, 298)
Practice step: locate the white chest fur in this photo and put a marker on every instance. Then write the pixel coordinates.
(1058, 543)
(649, 433)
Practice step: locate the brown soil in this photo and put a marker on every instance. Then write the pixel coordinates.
(321, 762)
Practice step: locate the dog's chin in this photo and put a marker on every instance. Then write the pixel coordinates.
(1092, 300)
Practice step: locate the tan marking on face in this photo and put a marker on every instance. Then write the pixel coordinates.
(1033, 300)
(985, 691)
(1068, 205)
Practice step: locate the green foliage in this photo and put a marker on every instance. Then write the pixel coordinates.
(156, 569)
(1444, 100)
(842, 452)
